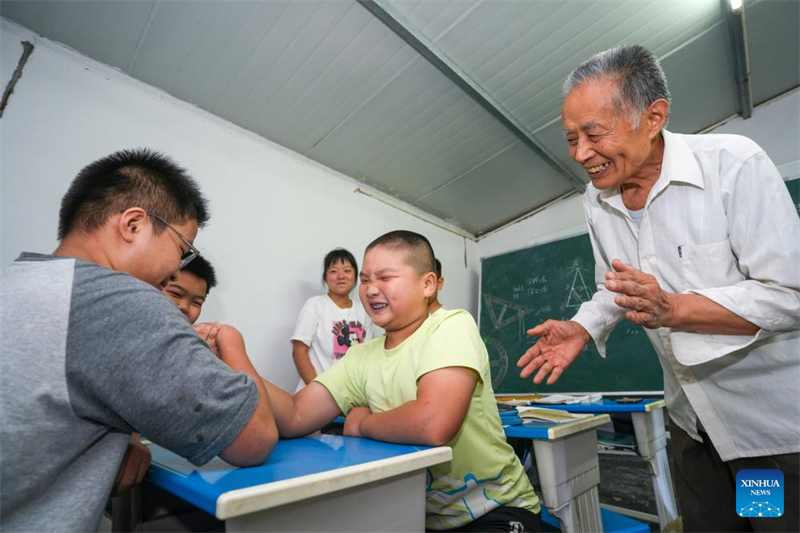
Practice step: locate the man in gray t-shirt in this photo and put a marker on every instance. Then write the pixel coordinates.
(92, 354)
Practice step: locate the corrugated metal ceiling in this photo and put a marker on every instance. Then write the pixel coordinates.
(330, 81)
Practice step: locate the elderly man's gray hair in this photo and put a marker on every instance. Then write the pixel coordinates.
(640, 79)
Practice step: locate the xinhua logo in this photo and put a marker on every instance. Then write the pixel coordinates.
(759, 493)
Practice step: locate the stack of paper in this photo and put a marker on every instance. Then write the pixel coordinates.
(569, 399)
(543, 414)
(519, 399)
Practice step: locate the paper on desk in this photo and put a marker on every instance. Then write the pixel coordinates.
(549, 415)
(519, 399)
(569, 399)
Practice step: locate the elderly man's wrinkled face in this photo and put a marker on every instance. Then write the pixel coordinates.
(603, 143)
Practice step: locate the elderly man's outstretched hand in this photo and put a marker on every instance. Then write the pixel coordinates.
(558, 346)
(647, 304)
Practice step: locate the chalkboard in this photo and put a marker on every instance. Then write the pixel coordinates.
(524, 288)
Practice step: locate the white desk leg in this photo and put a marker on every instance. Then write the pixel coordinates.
(569, 474)
(652, 441)
(396, 505)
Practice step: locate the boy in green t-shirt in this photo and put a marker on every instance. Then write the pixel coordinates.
(427, 381)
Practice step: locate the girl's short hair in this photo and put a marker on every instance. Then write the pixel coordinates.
(336, 255)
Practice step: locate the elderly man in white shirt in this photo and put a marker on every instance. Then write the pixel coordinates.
(696, 238)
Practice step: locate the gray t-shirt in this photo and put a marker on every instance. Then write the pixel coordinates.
(91, 355)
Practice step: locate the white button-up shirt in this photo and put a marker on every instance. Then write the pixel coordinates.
(719, 222)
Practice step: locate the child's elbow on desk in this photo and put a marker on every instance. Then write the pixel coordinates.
(435, 429)
(437, 437)
(441, 430)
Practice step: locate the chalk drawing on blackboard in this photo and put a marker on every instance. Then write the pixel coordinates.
(497, 308)
(498, 361)
(577, 291)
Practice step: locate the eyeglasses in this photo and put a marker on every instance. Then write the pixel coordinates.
(191, 253)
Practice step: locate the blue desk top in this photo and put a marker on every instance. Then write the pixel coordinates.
(606, 405)
(513, 426)
(529, 430)
(292, 458)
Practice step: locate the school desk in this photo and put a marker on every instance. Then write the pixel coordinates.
(569, 471)
(315, 483)
(566, 458)
(648, 425)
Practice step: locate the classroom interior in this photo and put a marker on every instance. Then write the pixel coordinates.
(315, 125)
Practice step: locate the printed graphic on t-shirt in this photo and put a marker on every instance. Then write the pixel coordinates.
(346, 334)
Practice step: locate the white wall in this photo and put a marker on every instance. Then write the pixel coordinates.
(275, 214)
(775, 126)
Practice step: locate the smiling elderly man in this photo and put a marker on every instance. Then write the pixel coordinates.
(695, 238)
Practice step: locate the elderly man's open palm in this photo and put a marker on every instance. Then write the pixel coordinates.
(558, 346)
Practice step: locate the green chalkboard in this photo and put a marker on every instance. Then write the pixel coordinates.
(794, 192)
(524, 288)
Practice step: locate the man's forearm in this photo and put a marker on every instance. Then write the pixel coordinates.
(241, 363)
(697, 314)
(283, 405)
(238, 360)
(307, 411)
(260, 434)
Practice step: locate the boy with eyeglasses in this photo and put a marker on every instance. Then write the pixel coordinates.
(92, 352)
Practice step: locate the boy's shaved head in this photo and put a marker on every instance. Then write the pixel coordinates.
(419, 252)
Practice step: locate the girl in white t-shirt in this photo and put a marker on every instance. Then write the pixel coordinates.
(330, 323)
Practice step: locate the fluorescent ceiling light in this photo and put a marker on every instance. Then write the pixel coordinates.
(736, 5)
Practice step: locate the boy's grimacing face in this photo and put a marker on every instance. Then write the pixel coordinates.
(392, 291)
(188, 292)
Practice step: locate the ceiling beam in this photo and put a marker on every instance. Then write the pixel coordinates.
(383, 12)
(740, 57)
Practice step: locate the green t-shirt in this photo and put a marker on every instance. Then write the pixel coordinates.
(484, 473)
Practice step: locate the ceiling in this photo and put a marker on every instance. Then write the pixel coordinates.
(450, 106)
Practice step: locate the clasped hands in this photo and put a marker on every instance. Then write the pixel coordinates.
(646, 302)
(560, 342)
(208, 332)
